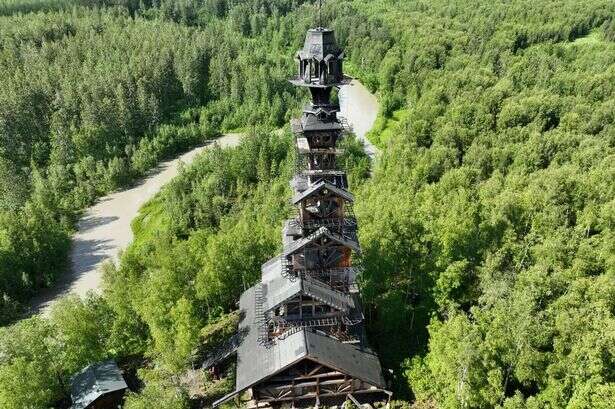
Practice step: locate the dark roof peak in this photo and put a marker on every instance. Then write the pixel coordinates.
(297, 245)
(320, 42)
(318, 187)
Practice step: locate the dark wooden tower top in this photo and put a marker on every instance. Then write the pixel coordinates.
(320, 64)
(320, 44)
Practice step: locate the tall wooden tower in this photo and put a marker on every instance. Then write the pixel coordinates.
(301, 338)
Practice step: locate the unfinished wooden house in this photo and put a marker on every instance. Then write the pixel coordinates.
(301, 339)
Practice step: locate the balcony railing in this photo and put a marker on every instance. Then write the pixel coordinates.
(285, 328)
(337, 223)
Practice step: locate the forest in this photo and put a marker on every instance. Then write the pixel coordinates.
(487, 224)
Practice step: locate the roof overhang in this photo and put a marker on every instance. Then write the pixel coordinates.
(319, 187)
(310, 352)
(322, 232)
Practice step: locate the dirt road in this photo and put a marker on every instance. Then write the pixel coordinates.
(360, 108)
(104, 229)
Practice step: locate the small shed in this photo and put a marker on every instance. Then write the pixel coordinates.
(98, 386)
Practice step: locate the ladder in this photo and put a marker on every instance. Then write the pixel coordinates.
(259, 316)
(339, 223)
(344, 122)
(287, 270)
(294, 327)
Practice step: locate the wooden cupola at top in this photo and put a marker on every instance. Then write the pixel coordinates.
(320, 60)
(320, 69)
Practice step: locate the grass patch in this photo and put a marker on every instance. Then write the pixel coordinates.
(149, 222)
(385, 127)
(595, 37)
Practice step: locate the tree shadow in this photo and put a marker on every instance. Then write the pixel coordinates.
(87, 254)
(91, 222)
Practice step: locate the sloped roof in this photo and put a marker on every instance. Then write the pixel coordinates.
(299, 182)
(276, 289)
(320, 42)
(257, 362)
(323, 172)
(271, 269)
(319, 187)
(315, 82)
(360, 363)
(329, 109)
(290, 231)
(323, 231)
(310, 122)
(223, 352)
(295, 126)
(95, 381)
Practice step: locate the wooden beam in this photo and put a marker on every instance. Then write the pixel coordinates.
(313, 371)
(303, 377)
(304, 384)
(312, 395)
(328, 391)
(346, 387)
(355, 401)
